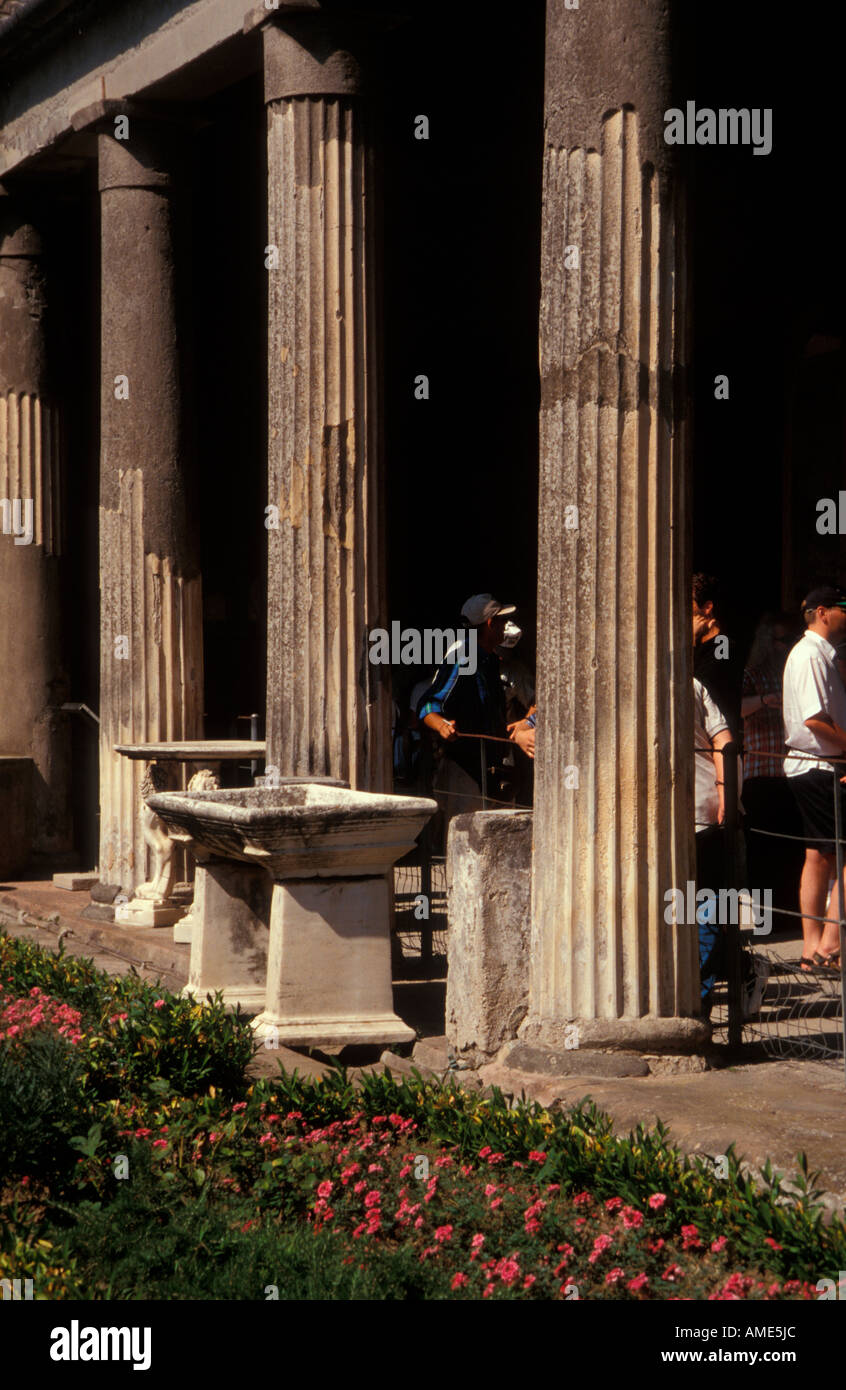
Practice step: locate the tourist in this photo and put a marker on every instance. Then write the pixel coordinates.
(711, 733)
(769, 806)
(717, 662)
(460, 702)
(814, 708)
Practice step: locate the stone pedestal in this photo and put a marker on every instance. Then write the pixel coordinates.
(328, 851)
(231, 916)
(33, 679)
(328, 708)
(151, 665)
(329, 966)
(489, 879)
(613, 789)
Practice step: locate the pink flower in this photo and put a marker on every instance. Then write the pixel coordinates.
(360, 1186)
(271, 1119)
(655, 1245)
(483, 1153)
(536, 1156)
(600, 1245)
(508, 1270)
(159, 1143)
(632, 1218)
(477, 1242)
(529, 1281)
(373, 1198)
(458, 1280)
(443, 1233)
(613, 1204)
(418, 1223)
(672, 1273)
(497, 1202)
(657, 1200)
(240, 1105)
(143, 1133)
(490, 1189)
(768, 1240)
(639, 1282)
(718, 1244)
(325, 1188)
(374, 1168)
(615, 1275)
(690, 1238)
(158, 1003)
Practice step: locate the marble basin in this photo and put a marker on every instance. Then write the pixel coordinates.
(317, 962)
(299, 829)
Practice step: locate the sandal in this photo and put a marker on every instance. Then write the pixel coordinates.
(827, 963)
(806, 965)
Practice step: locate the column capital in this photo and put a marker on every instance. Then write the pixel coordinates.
(313, 53)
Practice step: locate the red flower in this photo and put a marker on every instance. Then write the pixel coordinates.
(458, 1280)
(657, 1201)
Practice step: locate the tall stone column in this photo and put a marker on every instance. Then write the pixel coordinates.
(613, 793)
(327, 706)
(151, 654)
(33, 678)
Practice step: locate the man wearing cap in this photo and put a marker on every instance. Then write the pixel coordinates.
(814, 711)
(465, 701)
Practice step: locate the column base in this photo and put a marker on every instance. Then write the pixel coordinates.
(249, 999)
(332, 1034)
(183, 929)
(648, 1034)
(140, 912)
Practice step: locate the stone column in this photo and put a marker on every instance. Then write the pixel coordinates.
(33, 679)
(328, 708)
(151, 654)
(613, 794)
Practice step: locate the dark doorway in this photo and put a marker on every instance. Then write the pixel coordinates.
(461, 256)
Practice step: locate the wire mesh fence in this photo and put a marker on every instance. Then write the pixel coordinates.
(786, 1004)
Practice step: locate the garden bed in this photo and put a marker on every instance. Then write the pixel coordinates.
(138, 1160)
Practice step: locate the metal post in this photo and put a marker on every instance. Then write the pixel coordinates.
(484, 775)
(838, 852)
(733, 943)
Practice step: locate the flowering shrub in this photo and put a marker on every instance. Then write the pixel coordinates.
(130, 1033)
(460, 1195)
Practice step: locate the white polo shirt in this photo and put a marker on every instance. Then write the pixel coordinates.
(812, 685)
(708, 721)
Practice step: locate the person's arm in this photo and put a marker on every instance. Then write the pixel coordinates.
(718, 743)
(444, 727)
(753, 704)
(430, 706)
(823, 726)
(524, 737)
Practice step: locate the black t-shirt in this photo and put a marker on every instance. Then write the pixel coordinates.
(722, 677)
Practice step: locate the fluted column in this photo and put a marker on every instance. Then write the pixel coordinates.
(33, 678)
(151, 656)
(613, 793)
(327, 706)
